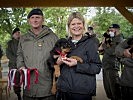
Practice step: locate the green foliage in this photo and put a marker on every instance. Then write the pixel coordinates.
(56, 19)
(9, 19)
(107, 16)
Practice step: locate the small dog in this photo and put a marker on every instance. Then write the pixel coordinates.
(61, 48)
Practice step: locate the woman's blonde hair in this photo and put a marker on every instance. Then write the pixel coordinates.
(71, 17)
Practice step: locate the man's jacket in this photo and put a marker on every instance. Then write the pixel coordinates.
(109, 57)
(33, 52)
(11, 52)
(127, 71)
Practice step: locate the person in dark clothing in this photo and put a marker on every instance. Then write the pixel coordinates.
(12, 46)
(78, 80)
(93, 35)
(1, 54)
(126, 79)
(110, 68)
(11, 53)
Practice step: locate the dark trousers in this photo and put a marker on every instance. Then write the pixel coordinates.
(127, 92)
(72, 96)
(17, 87)
(111, 84)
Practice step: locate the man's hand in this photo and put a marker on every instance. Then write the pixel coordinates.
(22, 68)
(126, 53)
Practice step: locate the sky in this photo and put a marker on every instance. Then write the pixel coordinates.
(91, 12)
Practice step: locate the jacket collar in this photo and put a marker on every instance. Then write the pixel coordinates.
(44, 32)
(84, 38)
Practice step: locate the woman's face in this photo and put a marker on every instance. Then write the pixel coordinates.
(76, 27)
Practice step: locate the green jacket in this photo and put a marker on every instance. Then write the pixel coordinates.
(11, 52)
(127, 71)
(33, 52)
(109, 56)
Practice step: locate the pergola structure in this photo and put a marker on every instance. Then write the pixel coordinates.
(120, 5)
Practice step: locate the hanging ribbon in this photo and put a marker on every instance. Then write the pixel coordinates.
(29, 73)
(24, 77)
(11, 77)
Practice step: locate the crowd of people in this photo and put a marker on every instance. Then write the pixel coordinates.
(28, 55)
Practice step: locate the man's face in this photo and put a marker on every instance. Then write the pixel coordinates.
(36, 21)
(90, 32)
(112, 30)
(115, 31)
(16, 35)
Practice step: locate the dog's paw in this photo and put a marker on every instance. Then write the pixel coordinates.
(77, 58)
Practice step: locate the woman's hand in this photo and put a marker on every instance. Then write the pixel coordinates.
(69, 61)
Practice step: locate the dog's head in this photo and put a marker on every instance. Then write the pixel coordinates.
(61, 46)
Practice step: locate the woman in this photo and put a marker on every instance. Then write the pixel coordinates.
(78, 80)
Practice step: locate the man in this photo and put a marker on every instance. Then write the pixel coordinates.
(1, 54)
(91, 33)
(33, 52)
(12, 46)
(123, 50)
(90, 30)
(110, 69)
(11, 53)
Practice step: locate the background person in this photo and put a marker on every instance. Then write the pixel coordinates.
(126, 79)
(11, 53)
(110, 69)
(91, 33)
(1, 54)
(12, 47)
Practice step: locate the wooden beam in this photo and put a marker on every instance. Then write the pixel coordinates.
(119, 4)
(65, 3)
(127, 14)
